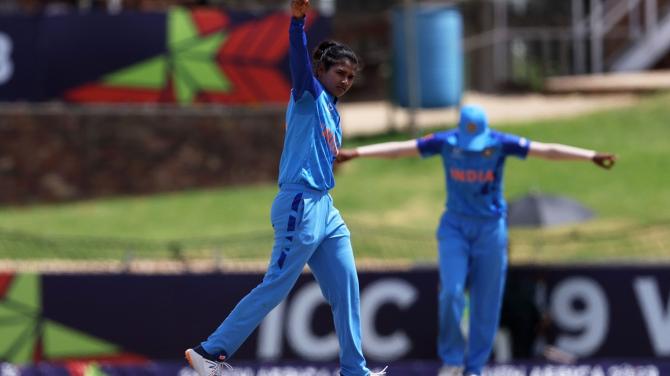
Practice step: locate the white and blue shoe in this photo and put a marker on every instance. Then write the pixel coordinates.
(379, 373)
(204, 366)
(450, 371)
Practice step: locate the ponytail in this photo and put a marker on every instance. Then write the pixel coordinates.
(329, 53)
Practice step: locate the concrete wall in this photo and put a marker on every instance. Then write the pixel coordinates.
(56, 152)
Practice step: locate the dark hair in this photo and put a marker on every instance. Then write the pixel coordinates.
(330, 52)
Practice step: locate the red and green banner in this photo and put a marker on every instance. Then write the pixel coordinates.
(184, 56)
(28, 336)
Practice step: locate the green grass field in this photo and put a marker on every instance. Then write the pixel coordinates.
(392, 207)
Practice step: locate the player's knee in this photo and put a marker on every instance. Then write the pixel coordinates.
(450, 294)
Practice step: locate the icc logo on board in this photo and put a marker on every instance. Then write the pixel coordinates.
(293, 320)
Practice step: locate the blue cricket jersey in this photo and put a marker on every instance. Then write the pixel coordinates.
(474, 179)
(313, 134)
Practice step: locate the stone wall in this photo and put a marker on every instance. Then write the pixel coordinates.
(57, 152)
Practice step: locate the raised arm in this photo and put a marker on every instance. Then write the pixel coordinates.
(299, 8)
(384, 150)
(302, 78)
(566, 152)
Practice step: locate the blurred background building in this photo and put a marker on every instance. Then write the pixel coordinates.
(508, 45)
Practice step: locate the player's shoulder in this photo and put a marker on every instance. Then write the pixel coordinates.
(507, 140)
(498, 135)
(311, 93)
(440, 135)
(503, 137)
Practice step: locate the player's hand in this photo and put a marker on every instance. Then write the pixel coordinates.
(604, 160)
(299, 8)
(344, 155)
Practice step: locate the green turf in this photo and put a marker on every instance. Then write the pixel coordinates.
(391, 206)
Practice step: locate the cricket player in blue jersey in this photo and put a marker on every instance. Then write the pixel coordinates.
(472, 234)
(308, 229)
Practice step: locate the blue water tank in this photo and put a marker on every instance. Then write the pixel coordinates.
(439, 34)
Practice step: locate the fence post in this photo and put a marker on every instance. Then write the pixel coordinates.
(651, 15)
(579, 55)
(596, 20)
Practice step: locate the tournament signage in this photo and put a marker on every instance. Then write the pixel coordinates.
(607, 311)
(204, 55)
(175, 312)
(595, 313)
(606, 368)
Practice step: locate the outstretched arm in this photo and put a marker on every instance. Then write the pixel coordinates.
(384, 150)
(566, 152)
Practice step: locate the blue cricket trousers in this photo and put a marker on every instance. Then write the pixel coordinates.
(473, 256)
(308, 229)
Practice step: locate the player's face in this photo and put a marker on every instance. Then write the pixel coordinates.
(339, 78)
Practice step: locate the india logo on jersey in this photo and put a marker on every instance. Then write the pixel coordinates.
(471, 176)
(331, 139)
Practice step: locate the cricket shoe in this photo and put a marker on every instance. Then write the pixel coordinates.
(379, 373)
(204, 366)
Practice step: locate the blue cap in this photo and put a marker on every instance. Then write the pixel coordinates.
(473, 129)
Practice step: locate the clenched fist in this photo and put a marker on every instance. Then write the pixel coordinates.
(299, 8)
(604, 160)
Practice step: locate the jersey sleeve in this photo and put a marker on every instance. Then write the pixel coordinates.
(302, 78)
(515, 145)
(431, 144)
